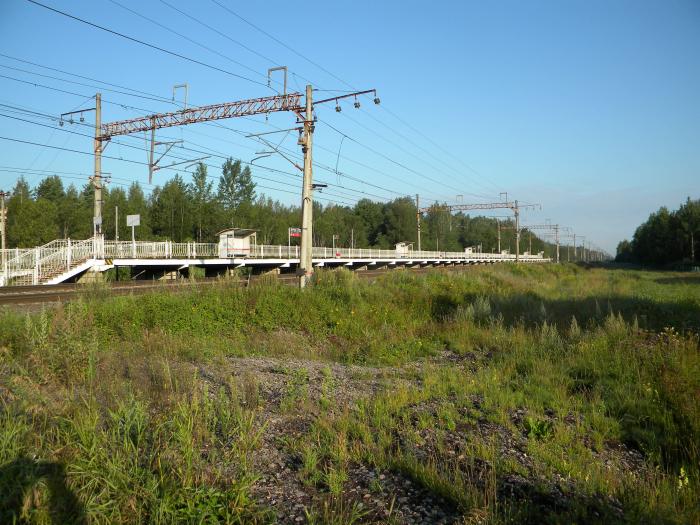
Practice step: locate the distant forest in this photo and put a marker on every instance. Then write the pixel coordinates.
(196, 209)
(666, 237)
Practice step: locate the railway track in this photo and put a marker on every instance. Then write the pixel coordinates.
(24, 296)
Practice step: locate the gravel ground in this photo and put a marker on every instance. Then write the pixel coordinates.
(385, 496)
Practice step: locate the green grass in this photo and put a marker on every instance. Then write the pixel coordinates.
(106, 418)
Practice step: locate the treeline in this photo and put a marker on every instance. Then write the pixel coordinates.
(667, 237)
(196, 209)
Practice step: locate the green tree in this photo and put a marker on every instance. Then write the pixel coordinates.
(29, 222)
(136, 204)
(51, 189)
(115, 199)
(236, 185)
(624, 252)
(204, 207)
(171, 211)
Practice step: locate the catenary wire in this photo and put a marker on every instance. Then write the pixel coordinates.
(147, 44)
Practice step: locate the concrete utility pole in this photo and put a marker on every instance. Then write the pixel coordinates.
(151, 163)
(498, 225)
(692, 247)
(547, 226)
(3, 222)
(418, 214)
(583, 248)
(96, 181)
(305, 262)
(513, 206)
(516, 211)
(116, 223)
(259, 106)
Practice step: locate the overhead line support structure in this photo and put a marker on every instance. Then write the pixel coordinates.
(257, 106)
(552, 227)
(514, 206)
(98, 148)
(3, 232)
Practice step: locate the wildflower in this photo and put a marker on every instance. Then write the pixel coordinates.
(683, 479)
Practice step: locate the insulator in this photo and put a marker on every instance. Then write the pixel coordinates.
(338, 109)
(376, 100)
(82, 119)
(357, 104)
(71, 120)
(60, 122)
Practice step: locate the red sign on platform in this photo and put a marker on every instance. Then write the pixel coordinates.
(295, 232)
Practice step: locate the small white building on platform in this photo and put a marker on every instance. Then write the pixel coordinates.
(403, 248)
(237, 242)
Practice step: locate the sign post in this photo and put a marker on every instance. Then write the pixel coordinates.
(133, 221)
(291, 232)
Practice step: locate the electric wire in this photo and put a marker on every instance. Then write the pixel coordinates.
(279, 42)
(477, 195)
(203, 46)
(147, 44)
(219, 33)
(44, 86)
(102, 88)
(146, 111)
(43, 66)
(215, 152)
(183, 159)
(142, 163)
(319, 66)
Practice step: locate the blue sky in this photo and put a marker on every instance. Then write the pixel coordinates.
(590, 108)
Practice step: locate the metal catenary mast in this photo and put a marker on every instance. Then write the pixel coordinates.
(554, 228)
(514, 206)
(258, 106)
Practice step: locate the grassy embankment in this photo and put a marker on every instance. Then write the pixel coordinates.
(522, 395)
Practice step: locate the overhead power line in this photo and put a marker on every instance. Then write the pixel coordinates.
(397, 163)
(203, 46)
(147, 111)
(147, 44)
(495, 187)
(279, 42)
(100, 27)
(224, 35)
(43, 66)
(144, 164)
(210, 151)
(102, 88)
(162, 99)
(273, 170)
(439, 170)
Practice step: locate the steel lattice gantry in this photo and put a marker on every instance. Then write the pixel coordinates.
(511, 205)
(256, 106)
(241, 108)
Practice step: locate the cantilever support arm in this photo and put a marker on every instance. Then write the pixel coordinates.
(241, 108)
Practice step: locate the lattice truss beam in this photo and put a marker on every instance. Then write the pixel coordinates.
(541, 227)
(241, 108)
(467, 207)
(481, 206)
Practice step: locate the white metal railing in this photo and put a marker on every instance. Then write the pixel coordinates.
(36, 265)
(159, 250)
(320, 252)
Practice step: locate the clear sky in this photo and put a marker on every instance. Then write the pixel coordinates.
(590, 108)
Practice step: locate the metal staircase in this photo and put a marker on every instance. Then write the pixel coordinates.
(44, 264)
